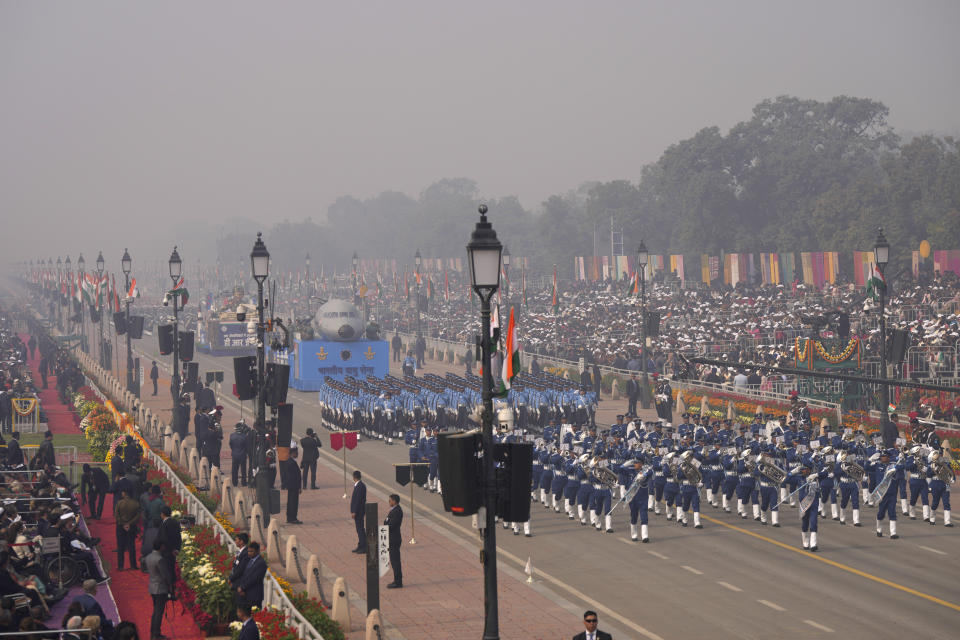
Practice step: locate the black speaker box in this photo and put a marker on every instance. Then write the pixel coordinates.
(843, 325)
(278, 378)
(513, 480)
(186, 346)
(165, 338)
(284, 425)
(136, 327)
(653, 323)
(120, 323)
(245, 376)
(459, 472)
(191, 383)
(897, 344)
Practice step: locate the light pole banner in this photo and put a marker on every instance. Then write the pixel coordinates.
(383, 551)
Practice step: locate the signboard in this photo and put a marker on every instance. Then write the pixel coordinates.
(383, 549)
(313, 360)
(236, 338)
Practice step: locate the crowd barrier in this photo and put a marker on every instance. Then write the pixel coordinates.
(26, 415)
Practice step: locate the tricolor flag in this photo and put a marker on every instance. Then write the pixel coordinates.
(446, 285)
(511, 356)
(636, 281)
(133, 291)
(116, 296)
(876, 283)
(179, 290)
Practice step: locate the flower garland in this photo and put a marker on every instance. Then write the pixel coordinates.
(852, 346)
(23, 406)
(801, 356)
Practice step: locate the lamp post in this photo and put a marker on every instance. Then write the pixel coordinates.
(643, 256)
(81, 263)
(59, 294)
(506, 275)
(416, 264)
(355, 260)
(68, 271)
(309, 285)
(260, 265)
(127, 265)
(881, 255)
(484, 255)
(103, 361)
(175, 267)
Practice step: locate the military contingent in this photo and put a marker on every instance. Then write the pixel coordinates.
(586, 473)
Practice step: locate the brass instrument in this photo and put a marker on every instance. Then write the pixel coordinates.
(767, 467)
(689, 467)
(850, 467)
(602, 474)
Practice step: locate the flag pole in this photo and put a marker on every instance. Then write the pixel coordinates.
(413, 535)
(344, 471)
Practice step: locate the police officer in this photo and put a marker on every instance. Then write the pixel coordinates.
(310, 445)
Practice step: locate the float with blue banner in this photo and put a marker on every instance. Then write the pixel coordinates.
(227, 338)
(313, 360)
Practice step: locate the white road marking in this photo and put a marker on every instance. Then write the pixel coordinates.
(932, 550)
(772, 605)
(692, 570)
(817, 625)
(729, 586)
(659, 555)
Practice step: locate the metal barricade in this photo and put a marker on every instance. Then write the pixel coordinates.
(26, 414)
(932, 361)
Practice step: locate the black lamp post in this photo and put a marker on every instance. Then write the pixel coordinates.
(881, 255)
(68, 272)
(175, 266)
(643, 256)
(100, 263)
(506, 275)
(416, 264)
(484, 253)
(81, 263)
(127, 265)
(59, 294)
(260, 265)
(309, 284)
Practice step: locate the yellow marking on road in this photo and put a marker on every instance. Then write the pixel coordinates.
(838, 565)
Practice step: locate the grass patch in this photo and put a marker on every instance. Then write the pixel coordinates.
(59, 440)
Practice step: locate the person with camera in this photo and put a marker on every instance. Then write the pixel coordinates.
(160, 589)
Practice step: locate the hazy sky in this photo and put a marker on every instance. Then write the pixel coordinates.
(117, 118)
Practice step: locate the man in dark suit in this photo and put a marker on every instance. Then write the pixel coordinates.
(591, 633)
(290, 471)
(248, 628)
(358, 508)
(393, 522)
(154, 375)
(14, 452)
(633, 394)
(311, 453)
(206, 399)
(250, 583)
(169, 536)
(159, 588)
(239, 561)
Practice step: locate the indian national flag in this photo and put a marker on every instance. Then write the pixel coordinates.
(133, 291)
(511, 356)
(876, 283)
(556, 297)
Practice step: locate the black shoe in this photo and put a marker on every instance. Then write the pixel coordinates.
(777, 525)
(313, 487)
(294, 521)
(949, 524)
(837, 518)
(895, 537)
(516, 533)
(395, 585)
(813, 548)
(698, 526)
(879, 534)
(529, 535)
(843, 522)
(361, 551)
(645, 540)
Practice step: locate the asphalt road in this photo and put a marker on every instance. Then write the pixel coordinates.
(732, 579)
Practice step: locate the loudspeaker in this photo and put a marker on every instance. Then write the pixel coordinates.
(459, 472)
(94, 314)
(843, 325)
(209, 377)
(136, 327)
(278, 377)
(120, 322)
(106, 349)
(653, 323)
(897, 344)
(165, 337)
(186, 346)
(245, 377)
(284, 425)
(513, 480)
(191, 383)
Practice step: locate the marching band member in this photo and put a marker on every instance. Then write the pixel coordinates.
(918, 482)
(638, 504)
(888, 483)
(937, 470)
(809, 495)
(848, 489)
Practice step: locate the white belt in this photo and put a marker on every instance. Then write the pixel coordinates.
(732, 474)
(548, 467)
(764, 483)
(915, 476)
(598, 487)
(659, 474)
(744, 476)
(571, 478)
(847, 480)
(687, 483)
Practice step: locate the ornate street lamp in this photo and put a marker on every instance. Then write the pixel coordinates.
(643, 257)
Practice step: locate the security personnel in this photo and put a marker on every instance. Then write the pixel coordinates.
(292, 480)
(310, 445)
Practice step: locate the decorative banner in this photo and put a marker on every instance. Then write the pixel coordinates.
(350, 440)
(806, 354)
(336, 441)
(403, 474)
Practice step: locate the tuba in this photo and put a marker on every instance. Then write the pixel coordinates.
(690, 467)
(767, 467)
(850, 467)
(603, 475)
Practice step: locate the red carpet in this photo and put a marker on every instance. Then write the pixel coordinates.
(60, 419)
(130, 587)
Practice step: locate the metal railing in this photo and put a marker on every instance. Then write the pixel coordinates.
(28, 422)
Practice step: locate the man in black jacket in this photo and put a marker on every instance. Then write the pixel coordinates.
(393, 521)
(170, 539)
(14, 452)
(310, 445)
(154, 376)
(591, 633)
(238, 454)
(358, 508)
(94, 485)
(633, 394)
(239, 563)
(249, 586)
(397, 345)
(45, 455)
(291, 479)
